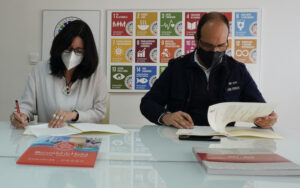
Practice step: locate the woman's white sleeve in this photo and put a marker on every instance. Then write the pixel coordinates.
(28, 100)
(98, 111)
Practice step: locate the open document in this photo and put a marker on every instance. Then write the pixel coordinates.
(71, 129)
(219, 115)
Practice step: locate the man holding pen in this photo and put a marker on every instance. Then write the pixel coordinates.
(191, 83)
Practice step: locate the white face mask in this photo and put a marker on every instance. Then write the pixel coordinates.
(71, 59)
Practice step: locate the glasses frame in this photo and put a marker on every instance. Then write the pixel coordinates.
(77, 51)
(211, 47)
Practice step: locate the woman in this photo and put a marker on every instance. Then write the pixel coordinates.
(70, 86)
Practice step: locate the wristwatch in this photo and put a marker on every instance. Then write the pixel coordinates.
(77, 116)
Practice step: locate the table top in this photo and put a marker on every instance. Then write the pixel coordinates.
(151, 156)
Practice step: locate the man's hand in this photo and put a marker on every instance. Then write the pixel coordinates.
(267, 121)
(18, 120)
(59, 117)
(180, 120)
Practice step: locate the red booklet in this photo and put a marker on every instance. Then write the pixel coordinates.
(245, 161)
(62, 151)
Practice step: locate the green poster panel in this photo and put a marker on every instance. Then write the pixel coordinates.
(121, 77)
(171, 23)
(161, 69)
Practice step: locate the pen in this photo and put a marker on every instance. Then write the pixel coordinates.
(17, 106)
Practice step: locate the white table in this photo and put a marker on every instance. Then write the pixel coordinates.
(148, 157)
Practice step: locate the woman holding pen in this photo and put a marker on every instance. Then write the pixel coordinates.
(70, 86)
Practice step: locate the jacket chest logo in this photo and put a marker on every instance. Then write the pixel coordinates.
(233, 86)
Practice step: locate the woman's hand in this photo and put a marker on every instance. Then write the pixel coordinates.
(60, 117)
(18, 120)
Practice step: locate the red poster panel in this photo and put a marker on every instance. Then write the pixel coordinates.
(189, 45)
(191, 22)
(121, 23)
(229, 17)
(146, 51)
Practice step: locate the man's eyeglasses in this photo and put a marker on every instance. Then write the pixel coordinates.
(77, 51)
(211, 47)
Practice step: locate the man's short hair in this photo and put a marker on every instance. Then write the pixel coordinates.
(211, 16)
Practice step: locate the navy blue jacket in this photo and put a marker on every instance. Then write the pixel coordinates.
(229, 81)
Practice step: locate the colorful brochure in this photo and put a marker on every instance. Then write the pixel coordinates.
(62, 151)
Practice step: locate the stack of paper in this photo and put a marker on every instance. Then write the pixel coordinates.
(230, 131)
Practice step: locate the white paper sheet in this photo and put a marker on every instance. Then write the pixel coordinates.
(198, 131)
(42, 130)
(219, 115)
(91, 127)
(77, 128)
(230, 131)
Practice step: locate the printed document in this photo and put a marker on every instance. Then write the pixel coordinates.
(219, 115)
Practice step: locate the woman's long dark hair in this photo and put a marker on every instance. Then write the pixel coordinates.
(63, 41)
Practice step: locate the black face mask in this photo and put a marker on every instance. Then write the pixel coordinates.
(210, 58)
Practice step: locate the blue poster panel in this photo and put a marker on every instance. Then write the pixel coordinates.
(245, 24)
(145, 76)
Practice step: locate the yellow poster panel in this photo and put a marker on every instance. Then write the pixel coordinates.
(245, 50)
(121, 50)
(146, 24)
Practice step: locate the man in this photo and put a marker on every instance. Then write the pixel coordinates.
(191, 83)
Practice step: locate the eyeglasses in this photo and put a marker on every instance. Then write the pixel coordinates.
(77, 51)
(211, 47)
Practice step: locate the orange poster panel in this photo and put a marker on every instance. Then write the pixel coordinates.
(245, 50)
(121, 50)
(170, 48)
(146, 24)
(229, 48)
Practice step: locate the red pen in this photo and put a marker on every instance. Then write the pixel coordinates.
(17, 106)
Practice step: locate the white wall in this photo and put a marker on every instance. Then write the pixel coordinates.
(21, 27)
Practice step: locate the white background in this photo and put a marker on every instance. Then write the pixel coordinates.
(21, 34)
(52, 18)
